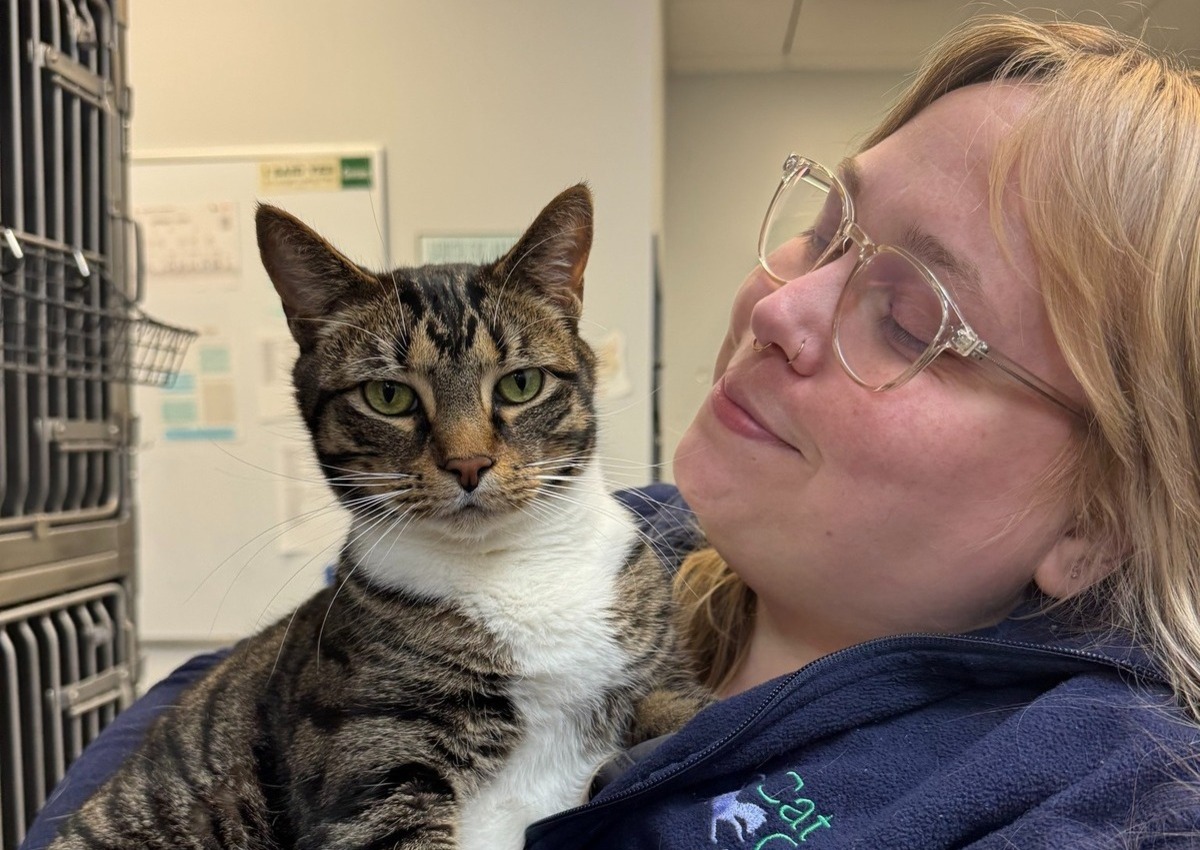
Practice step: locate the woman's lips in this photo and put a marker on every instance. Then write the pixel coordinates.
(737, 418)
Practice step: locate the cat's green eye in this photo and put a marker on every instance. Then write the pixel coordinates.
(391, 398)
(520, 386)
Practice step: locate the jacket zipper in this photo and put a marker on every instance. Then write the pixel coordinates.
(809, 669)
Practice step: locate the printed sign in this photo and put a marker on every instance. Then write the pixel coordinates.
(463, 249)
(315, 174)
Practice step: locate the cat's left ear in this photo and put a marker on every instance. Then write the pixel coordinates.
(310, 275)
(553, 252)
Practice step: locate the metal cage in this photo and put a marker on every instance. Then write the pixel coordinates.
(72, 340)
(66, 665)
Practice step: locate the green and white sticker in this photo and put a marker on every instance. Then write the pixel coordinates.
(356, 172)
(315, 174)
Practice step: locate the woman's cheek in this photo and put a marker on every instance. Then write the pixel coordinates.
(724, 354)
(753, 289)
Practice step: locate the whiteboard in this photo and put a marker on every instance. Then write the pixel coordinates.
(236, 526)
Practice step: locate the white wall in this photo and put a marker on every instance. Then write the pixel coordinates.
(486, 110)
(726, 138)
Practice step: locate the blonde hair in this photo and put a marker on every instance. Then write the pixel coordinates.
(1107, 161)
(715, 611)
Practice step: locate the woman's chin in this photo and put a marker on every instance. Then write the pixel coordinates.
(706, 474)
(689, 462)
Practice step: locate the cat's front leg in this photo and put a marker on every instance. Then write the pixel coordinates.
(410, 831)
(410, 807)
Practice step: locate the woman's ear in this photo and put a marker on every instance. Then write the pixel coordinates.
(1073, 564)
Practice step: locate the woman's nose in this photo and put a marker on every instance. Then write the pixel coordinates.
(757, 285)
(797, 317)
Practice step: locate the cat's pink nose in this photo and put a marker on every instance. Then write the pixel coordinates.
(468, 470)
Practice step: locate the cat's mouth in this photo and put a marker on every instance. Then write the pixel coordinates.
(472, 519)
(475, 511)
(471, 507)
(472, 514)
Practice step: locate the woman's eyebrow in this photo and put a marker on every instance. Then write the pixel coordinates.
(963, 275)
(851, 176)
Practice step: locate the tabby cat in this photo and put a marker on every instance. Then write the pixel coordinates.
(496, 628)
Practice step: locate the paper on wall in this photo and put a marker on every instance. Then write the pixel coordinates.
(189, 239)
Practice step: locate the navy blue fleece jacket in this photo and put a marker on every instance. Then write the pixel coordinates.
(1017, 736)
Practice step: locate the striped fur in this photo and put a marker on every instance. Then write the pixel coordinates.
(495, 630)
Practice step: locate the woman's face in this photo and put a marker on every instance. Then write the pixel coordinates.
(855, 514)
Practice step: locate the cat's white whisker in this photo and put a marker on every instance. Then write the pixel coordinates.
(374, 522)
(563, 459)
(325, 320)
(406, 333)
(353, 537)
(272, 472)
(301, 568)
(281, 527)
(370, 478)
(529, 251)
(381, 512)
(537, 513)
(376, 489)
(353, 471)
(551, 494)
(595, 325)
(331, 509)
(370, 502)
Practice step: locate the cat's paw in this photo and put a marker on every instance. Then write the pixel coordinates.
(664, 710)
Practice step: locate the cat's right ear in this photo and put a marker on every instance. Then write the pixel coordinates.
(309, 274)
(552, 254)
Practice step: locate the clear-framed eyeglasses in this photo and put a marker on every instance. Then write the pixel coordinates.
(893, 316)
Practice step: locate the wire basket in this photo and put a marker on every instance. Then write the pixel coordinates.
(151, 352)
(63, 316)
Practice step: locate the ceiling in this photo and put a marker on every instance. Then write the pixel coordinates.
(716, 36)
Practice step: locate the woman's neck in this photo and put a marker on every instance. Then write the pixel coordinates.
(777, 647)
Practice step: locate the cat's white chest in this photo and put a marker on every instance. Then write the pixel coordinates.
(551, 768)
(566, 651)
(549, 606)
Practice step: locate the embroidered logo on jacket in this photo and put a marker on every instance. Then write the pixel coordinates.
(741, 816)
(772, 818)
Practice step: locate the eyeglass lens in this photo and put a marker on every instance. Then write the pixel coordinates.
(889, 316)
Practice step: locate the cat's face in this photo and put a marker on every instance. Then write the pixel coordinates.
(450, 395)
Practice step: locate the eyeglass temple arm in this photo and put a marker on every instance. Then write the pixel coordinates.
(1030, 380)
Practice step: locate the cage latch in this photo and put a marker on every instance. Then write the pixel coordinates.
(74, 77)
(78, 698)
(80, 435)
(81, 264)
(14, 250)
